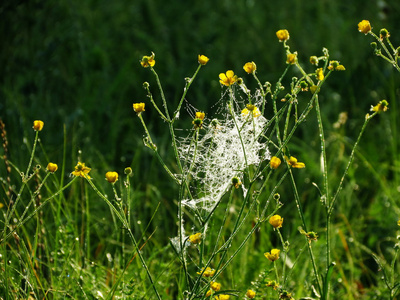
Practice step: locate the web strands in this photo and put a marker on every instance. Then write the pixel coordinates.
(220, 156)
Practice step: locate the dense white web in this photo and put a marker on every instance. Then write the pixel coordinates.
(226, 148)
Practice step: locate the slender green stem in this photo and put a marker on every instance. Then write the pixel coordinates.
(25, 179)
(300, 211)
(146, 86)
(162, 94)
(326, 184)
(285, 250)
(185, 90)
(23, 221)
(31, 158)
(123, 220)
(332, 203)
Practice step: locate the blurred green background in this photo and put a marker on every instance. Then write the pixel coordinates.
(76, 63)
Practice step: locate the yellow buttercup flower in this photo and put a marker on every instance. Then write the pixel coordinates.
(195, 238)
(364, 26)
(398, 222)
(52, 167)
(148, 61)
(381, 106)
(250, 67)
(215, 286)
(273, 255)
(276, 221)
(250, 294)
(282, 35)
(272, 283)
(200, 115)
(222, 297)
(138, 107)
(320, 74)
(253, 109)
(292, 161)
(81, 170)
(111, 177)
(38, 125)
(291, 58)
(203, 60)
(208, 272)
(227, 78)
(275, 162)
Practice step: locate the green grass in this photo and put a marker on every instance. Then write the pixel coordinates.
(76, 67)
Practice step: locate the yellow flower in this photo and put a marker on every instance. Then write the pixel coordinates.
(222, 297)
(251, 108)
(195, 238)
(381, 106)
(148, 61)
(320, 74)
(1, 205)
(215, 286)
(272, 283)
(111, 177)
(364, 26)
(250, 294)
(292, 161)
(203, 60)
(276, 221)
(200, 115)
(81, 170)
(198, 121)
(291, 58)
(227, 78)
(52, 167)
(138, 107)
(250, 67)
(274, 162)
(273, 255)
(283, 35)
(38, 125)
(208, 272)
(398, 222)
(340, 68)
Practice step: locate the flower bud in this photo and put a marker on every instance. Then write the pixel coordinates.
(282, 35)
(138, 107)
(383, 34)
(203, 60)
(111, 177)
(291, 58)
(250, 67)
(38, 125)
(236, 182)
(52, 167)
(275, 162)
(364, 26)
(276, 221)
(314, 60)
(128, 171)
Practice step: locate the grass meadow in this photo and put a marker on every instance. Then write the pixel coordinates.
(199, 150)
